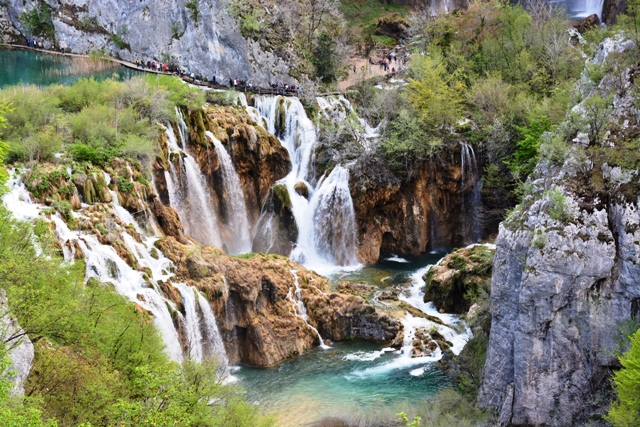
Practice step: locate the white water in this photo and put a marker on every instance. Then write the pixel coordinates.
(298, 307)
(235, 205)
(326, 220)
(453, 331)
(104, 263)
(189, 193)
(471, 201)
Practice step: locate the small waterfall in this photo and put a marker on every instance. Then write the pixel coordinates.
(141, 287)
(189, 194)
(579, 9)
(415, 328)
(213, 345)
(236, 220)
(324, 217)
(330, 232)
(300, 309)
(470, 177)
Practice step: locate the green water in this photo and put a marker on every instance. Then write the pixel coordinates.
(324, 383)
(28, 67)
(350, 377)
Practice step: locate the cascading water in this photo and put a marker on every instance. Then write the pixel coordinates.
(471, 200)
(299, 308)
(330, 203)
(189, 194)
(234, 203)
(105, 264)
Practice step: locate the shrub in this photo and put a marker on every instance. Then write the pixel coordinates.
(38, 21)
(624, 412)
(194, 12)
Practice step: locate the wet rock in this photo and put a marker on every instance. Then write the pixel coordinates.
(302, 189)
(424, 210)
(251, 297)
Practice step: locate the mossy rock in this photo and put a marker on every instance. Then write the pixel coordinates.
(281, 193)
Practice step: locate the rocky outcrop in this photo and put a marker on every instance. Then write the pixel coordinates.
(258, 157)
(255, 304)
(426, 211)
(459, 279)
(393, 26)
(567, 269)
(588, 23)
(201, 36)
(18, 345)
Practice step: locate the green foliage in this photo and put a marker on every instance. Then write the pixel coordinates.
(251, 24)
(325, 58)
(95, 120)
(176, 31)
(119, 40)
(405, 419)
(38, 21)
(192, 9)
(624, 412)
(557, 205)
(177, 92)
(436, 98)
(527, 152)
(406, 143)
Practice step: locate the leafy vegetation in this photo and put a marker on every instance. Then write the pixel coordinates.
(38, 21)
(94, 121)
(625, 410)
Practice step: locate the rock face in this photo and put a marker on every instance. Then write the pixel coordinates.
(459, 279)
(254, 299)
(20, 349)
(209, 43)
(567, 274)
(428, 211)
(591, 21)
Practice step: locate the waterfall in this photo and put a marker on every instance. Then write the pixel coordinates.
(579, 9)
(189, 194)
(234, 203)
(299, 308)
(331, 230)
(325, 219)
(139, 286)
(471, 200)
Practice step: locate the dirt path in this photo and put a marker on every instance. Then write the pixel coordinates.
(364, 70)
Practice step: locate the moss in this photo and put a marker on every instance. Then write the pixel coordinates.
(282, 194)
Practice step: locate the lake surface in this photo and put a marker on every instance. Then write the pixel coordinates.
(350, 377)
(29, 67)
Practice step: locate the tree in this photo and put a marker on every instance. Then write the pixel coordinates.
(325, 58)
(625, 412)
(436, 98)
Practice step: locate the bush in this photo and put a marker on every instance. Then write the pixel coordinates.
(38, 21)
(192, 8)
(625, 411)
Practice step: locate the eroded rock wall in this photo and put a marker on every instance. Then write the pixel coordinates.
(427, 211)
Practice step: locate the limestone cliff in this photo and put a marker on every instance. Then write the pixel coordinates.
(567, 264)
(431, 209)
(203, 36)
